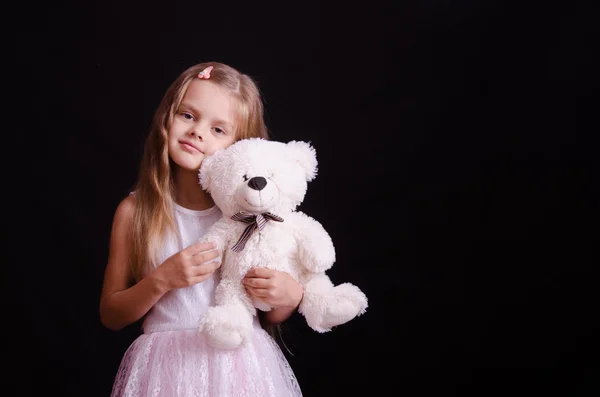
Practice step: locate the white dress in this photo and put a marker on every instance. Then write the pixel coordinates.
(171, 358)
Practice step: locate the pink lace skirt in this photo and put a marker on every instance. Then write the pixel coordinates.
(181, 364)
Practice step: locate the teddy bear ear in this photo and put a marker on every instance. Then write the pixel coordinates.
(306, 156)
(206, 169)
(204, 173)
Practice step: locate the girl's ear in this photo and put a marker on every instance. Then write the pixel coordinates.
(306, 156)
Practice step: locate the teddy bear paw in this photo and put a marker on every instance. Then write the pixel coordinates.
(338, 306)
(223, 329)
(348, 302)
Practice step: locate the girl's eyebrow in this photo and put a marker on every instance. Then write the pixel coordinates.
(218, 121)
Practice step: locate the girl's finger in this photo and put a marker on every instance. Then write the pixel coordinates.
(199, 247)
(207, 267)
(256, 282)
(260, 272)
(258, 292)
(200, 259)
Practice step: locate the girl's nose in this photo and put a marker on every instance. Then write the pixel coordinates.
(196, 133)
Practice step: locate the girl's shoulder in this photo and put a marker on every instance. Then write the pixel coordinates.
(126, 209)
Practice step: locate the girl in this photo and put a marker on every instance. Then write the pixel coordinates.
(157, 269)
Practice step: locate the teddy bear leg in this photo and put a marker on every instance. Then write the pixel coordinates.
(348, 301)
(325, 306)
(227, 324)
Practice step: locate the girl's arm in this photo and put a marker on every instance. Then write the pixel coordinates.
(120, 303)
(280, 314)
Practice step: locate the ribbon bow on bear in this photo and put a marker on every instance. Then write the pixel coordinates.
(255, 222)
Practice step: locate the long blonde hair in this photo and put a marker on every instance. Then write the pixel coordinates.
(154, 190)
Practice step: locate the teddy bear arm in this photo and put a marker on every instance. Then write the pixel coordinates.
(315, 248)
(218, 233)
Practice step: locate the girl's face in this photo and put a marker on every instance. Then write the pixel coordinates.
(203, 124)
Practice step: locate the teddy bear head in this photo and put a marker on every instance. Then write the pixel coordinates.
(257, 175)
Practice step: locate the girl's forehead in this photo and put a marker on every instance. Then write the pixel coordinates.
(211, 100)
(203, 90)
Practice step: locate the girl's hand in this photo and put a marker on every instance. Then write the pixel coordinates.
(275, 288)
(189, 266)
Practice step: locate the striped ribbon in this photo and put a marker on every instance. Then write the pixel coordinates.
(255, 222)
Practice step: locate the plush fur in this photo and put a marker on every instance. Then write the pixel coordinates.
(299, 245)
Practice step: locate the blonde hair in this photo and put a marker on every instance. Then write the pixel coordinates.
(154, 190)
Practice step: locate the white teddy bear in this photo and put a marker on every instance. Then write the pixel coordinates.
(258, 184)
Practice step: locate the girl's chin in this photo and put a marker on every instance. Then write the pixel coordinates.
(188, 167)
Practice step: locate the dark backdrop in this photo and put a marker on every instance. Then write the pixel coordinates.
(457, 180)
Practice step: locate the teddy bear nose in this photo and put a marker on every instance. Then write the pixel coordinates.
(257, 183)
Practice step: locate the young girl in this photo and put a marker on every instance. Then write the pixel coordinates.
(157, 269)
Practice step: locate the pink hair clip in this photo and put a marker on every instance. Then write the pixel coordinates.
(205, 74)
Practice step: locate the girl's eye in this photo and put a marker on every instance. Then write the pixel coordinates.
(187, 116)
(245, 178)
(219, 131)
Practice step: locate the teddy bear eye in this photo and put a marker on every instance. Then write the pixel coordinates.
(245, 177)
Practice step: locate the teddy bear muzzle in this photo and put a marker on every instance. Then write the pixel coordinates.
(257, 194)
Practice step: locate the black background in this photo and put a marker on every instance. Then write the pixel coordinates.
(457, 178)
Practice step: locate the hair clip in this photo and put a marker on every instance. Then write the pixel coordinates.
(205, 74)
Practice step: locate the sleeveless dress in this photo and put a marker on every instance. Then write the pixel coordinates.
(171, 358)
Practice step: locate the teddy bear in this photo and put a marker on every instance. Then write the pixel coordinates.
(258, 184)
